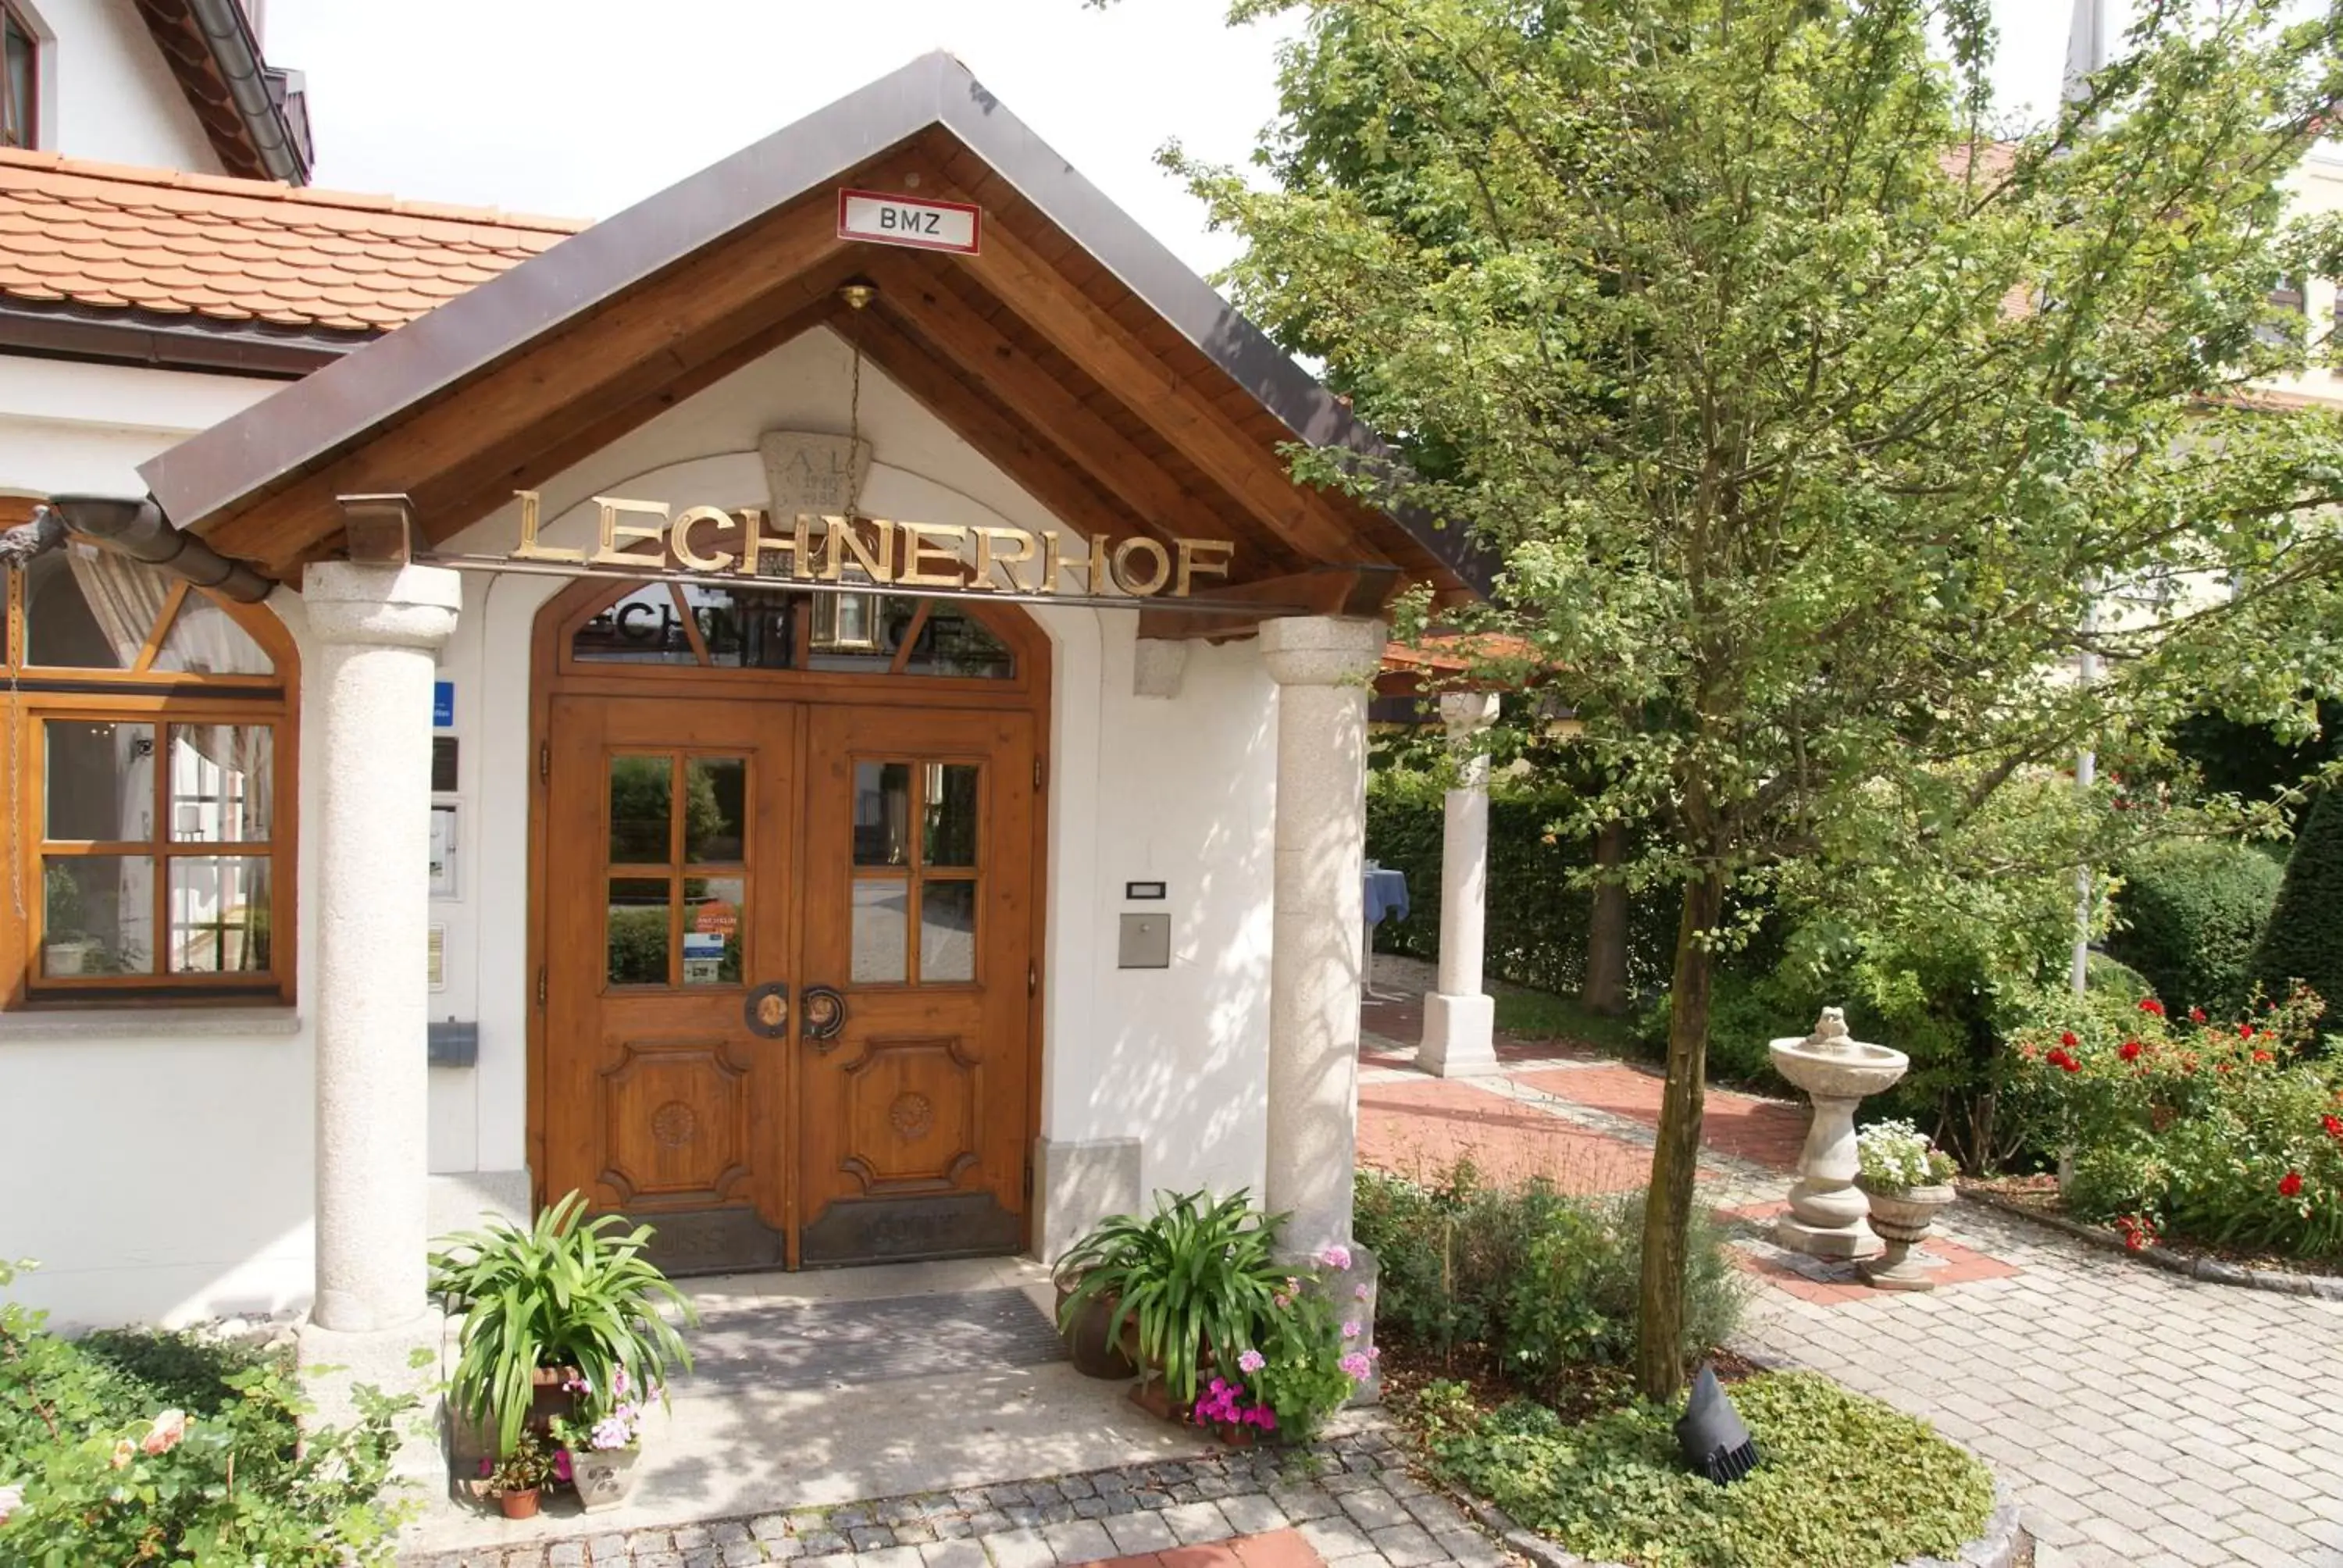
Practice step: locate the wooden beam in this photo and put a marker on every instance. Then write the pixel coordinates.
(1362, 592)
(1084, 333)
(599, 365)
(1037, 466)
(981, 350)
(456, 510)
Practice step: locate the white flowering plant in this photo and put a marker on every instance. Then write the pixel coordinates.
(1896, 1156)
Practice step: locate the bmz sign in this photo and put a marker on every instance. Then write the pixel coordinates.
(914, 221)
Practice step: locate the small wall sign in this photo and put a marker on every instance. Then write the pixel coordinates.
(919, 222)
(1136, 890)
(443, 705)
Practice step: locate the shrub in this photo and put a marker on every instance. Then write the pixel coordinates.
(133, 1447)
(2304, 939)
(1546, 1281)
(2225, 1133)
(1845, 1482)
(2190, 913)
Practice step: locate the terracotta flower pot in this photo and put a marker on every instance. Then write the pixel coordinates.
(1902, 1217)
(519, 1505)
(1094, 1351)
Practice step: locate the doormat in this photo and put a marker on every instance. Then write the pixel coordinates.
(801, 1346)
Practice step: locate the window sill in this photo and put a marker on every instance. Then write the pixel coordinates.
(162, 1023)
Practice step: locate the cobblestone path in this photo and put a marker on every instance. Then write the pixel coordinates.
(1349, 1502)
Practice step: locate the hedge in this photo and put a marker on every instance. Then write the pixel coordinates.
(1537, 918)
(2304, 941)
(2189, 917)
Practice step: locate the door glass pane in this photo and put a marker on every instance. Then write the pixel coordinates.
(859, 631)
(101, 779)
(711, 929)
(220, 783)
(745, 629)
(97, 916)
(950, 809)
(882, 813)
(641, 629)
(881, 925)
(640, 791)
(637, 930)
(220, 914)
(714, 802)
(947, 931)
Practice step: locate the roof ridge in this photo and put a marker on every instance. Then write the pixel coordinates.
(274, 193)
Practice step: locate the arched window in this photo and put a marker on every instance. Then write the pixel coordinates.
(150, 728)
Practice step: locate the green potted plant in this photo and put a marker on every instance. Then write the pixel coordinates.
(1187, 1283)
(568, 1299)
(67, 949)
(517, 1480)
(1907, 1179)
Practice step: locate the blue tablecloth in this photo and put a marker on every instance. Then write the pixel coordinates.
(1386, 895)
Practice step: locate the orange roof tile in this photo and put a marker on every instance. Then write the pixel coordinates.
(177, 244)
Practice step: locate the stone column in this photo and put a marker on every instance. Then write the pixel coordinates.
(1458, 1019)
(375, 629)
(1322, 667)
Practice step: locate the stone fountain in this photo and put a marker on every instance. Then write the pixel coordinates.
(1826, 1217)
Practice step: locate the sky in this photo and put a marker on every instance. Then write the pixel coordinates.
(582, 107)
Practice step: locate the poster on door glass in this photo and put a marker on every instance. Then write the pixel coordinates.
(443, 850)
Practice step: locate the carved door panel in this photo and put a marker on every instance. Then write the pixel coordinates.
(917, 951)
(670, 998)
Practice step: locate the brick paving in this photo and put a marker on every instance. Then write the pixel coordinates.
(1347, 1503)
(2145, 1419)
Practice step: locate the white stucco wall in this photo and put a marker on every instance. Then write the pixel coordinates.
(106, 93)
(157, 1161)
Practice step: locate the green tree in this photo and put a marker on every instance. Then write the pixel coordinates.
(1818, 422)
(2304, 939)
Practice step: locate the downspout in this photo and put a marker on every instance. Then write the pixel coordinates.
(138, 528)
(237, 55)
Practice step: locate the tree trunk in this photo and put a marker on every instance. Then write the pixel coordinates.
(1605, 990)
(1675, 1154)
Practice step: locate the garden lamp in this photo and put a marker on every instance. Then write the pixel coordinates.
(1711, 1433)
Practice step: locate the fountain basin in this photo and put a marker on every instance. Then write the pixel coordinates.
(1837, 1069)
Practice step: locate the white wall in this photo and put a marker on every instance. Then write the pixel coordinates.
(106, 93)
(158, 1161)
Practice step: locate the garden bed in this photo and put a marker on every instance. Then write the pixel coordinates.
(2036, 1198)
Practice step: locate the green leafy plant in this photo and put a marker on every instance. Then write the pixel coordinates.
(1896, 1156)
(1545, 1279)
(1845, 1482)
(1194, 1277)
(525, 1467)
(2303, 941)
(566, 1292)
(1303, 1362)
(140, 1446)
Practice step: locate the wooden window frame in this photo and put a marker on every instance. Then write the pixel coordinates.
(33, 695)
(13, 16)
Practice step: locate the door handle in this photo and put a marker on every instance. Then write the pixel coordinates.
(766, 1011)
(824, 1015)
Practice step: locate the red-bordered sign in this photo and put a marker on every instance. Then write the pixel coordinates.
(880, 217)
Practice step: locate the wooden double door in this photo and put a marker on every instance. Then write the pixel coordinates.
(789, 975)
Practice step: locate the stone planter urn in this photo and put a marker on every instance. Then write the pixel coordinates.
(1837, 1071)
(604, 1476)
(1901, 1216)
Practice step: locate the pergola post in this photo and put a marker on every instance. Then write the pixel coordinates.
(1458, 1018)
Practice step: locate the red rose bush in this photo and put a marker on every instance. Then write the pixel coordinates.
(2218, 1132)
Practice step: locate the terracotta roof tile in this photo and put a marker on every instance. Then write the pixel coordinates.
(111, 235)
